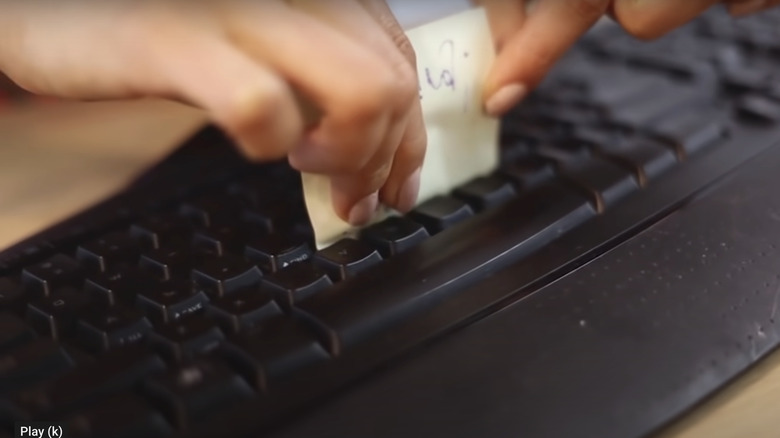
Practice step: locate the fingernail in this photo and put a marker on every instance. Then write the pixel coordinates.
(364, 210)
(407, 196)
(740, 9)
(505, 99)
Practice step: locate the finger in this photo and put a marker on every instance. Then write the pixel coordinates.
(529, 54)
(648, 19)
(355, 193)
(403, 184)
(349, 84)
(248, 100)
(505, 17)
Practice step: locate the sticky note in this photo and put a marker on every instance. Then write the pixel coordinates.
(453, 56)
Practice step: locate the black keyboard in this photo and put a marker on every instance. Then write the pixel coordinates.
(195, 304)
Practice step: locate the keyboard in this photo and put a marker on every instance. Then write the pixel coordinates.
(195, 303)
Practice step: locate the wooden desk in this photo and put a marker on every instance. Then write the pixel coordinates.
(57, 160)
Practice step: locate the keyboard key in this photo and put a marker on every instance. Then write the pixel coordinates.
(352, 312)
(441, 212)
(118, 286)
(644, 112)
(297, 282)
(14, 332)
(31, 362)
(196, 390)
(167, 263)
(485, 192)
(603, 182)
(209, 211)
(103, 329)
(106, 252)
(394, 235)
(244, 309)
(759, 108)
(647, 158)
(220, 239)
(162, 230)
(12, 297)
(186, 338)
(170, 300)
(275, 252)
(112, 372)
(691, 131)
(741, 77)
(273, 352)
(529, 173)
(219, 276)
(56, 272)
(346, 258)
(121, 416)
(55, 315)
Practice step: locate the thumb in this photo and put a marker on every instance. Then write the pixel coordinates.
(648, 19)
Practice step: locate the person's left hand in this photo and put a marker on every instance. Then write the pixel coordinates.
(531, 35)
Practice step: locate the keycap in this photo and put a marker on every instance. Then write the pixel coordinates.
(297, 282)
(14, 332)
(244, 309)
(102, 329)
(56, 272)
(394, 235)
(171, 300)
(161, 230)
(646, 157)
(742, 77)
(644, 112)
(195, 390)
(273, 352)
(346, 258)
(485, 192)
(55, 315)
(112, 372)
(219, 276)
(615, 89)
(122, 416)
(31, 362)
(275, 252)
(603, 182)
(11, 296)
(529, 173)
(208, 210)
(759, 108)
(119, 286)
(186, 337)
(220, 239)
(106, 252)
(352, 312)
(440, 212)
(691, 131)
(169, 263)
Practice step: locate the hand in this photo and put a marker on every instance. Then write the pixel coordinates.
(531, 35)
(257, 68)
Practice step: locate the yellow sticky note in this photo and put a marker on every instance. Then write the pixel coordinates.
(453, 57)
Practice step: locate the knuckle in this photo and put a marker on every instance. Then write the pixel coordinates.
(253, 108)
(370, 99)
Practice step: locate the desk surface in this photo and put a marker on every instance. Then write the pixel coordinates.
(57, 160)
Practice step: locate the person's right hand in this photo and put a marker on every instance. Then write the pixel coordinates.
(531, 35)
(249, 64)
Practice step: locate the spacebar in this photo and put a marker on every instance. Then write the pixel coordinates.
(367, 305)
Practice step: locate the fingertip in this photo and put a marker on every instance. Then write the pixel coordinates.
(504, 99)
